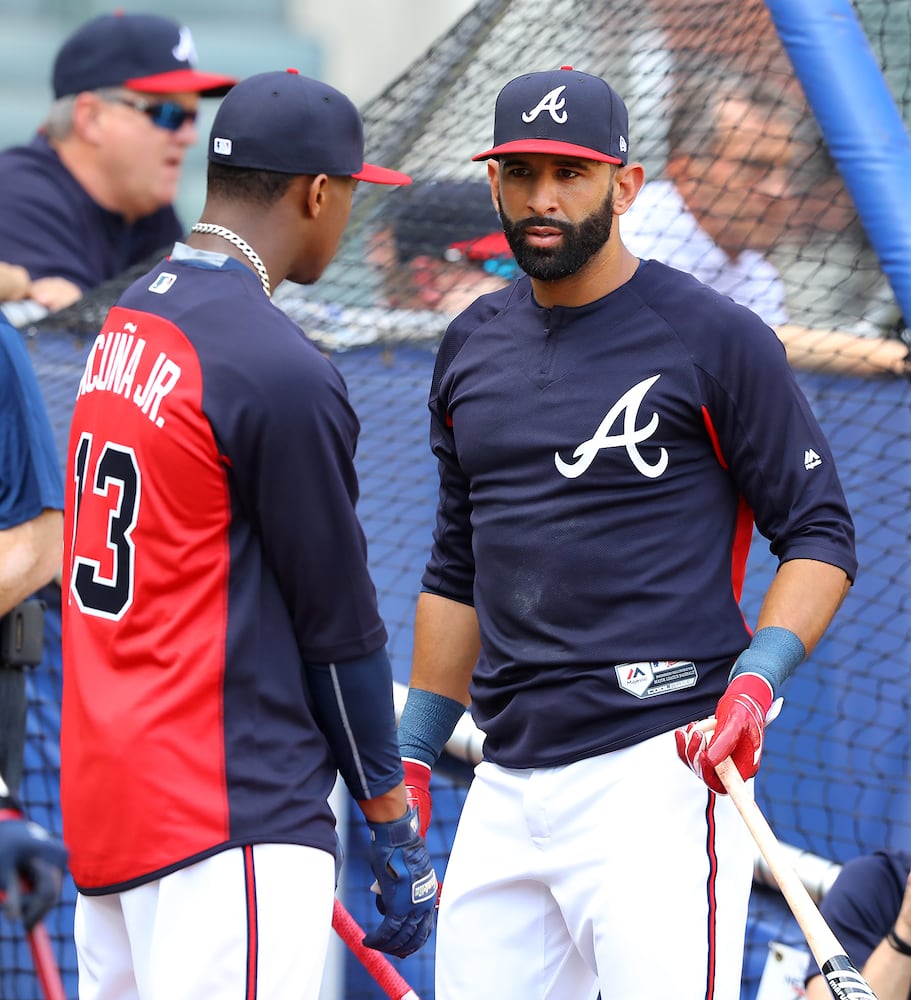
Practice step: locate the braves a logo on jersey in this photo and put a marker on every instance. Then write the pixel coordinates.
(630, 436)
(552, 103)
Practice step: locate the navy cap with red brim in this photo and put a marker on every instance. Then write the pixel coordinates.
(177, 81)
(561, 112)
(380, 175)
(546, 146)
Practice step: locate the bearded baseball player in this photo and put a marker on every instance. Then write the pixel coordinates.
(224, 658)
(607, 431)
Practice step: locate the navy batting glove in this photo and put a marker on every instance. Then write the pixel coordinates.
(32, 863)
(407, 886)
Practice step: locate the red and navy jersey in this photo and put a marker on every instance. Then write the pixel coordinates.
(213, 551)
(51, 226)
(601, 468)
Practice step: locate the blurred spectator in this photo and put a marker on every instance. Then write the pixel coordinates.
(441, 246)
(869, 911)
(93, 192)
(831, 275)
(729, 197)
(436, 246)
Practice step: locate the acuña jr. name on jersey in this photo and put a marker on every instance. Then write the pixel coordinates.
(118, 363)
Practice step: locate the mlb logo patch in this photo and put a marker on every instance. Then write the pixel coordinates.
(223, 146)
(162, 283)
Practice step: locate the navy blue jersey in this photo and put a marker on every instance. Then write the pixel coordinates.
(600, 469)
(51, 226)
(30, 479)
(213, 552)
(863, 903)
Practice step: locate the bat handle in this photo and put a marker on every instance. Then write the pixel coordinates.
(46, 970)
(375, 962)
(843, 980)
(39, 942)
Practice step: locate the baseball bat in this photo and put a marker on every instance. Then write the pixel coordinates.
(842, 978)
(46, 970)
(375, 962)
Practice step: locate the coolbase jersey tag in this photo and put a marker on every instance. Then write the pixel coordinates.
(654, 677)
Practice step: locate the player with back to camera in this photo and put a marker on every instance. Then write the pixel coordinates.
(92, 194)
(223, 652)
(606, 431)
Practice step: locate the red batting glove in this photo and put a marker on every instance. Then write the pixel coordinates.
(417, 788)
(740, 721)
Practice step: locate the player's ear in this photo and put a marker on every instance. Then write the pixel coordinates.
(87, 111)
(314, 194)
(493, 175)
(628, 183)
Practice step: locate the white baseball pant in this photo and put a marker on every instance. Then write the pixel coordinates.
(246, 923)
(622, 872)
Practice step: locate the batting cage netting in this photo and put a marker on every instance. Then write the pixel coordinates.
(743, 189)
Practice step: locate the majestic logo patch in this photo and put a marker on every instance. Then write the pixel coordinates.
(811, 460)
(552, 103)
(653, 677)
(627, 405)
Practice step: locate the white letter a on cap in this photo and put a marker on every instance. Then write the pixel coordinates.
(552, 103)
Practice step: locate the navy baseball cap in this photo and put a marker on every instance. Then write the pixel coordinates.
(292, 124)
(136, 51)
(433, 217)
(560, 111)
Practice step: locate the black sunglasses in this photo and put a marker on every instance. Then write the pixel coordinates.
(168, 114)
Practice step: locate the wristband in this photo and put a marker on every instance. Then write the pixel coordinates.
(427, 722)
(774, 653)
(897, 943)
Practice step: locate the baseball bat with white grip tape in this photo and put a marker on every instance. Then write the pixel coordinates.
(844, 981)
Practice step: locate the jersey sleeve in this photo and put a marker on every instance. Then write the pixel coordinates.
(752, 404)
(30, 477)
(450, 568)
(355, 709)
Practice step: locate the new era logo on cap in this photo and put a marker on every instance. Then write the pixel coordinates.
(560, 111)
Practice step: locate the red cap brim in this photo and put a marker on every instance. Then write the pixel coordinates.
(380, 175)
(484, 247)
(180, 80)
(546, 146)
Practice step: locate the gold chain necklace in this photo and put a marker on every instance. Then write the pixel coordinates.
(209, 229)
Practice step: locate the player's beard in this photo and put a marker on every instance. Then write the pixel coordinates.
(580, 241)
